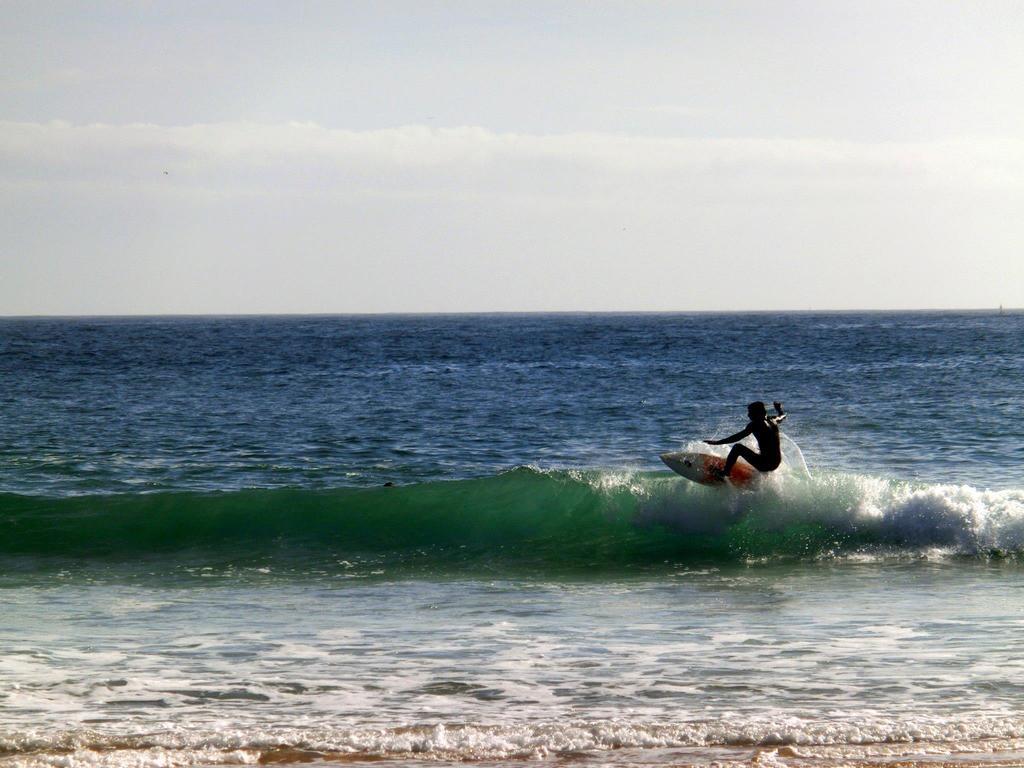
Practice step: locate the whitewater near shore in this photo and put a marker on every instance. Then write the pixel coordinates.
(834, 663)
(201, 565)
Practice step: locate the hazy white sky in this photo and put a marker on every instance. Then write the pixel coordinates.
(483, 156)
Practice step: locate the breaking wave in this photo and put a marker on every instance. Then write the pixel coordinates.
(565, 519)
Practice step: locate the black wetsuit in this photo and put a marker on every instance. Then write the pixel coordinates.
(766, 432)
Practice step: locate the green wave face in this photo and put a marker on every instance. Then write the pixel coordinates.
(553, 521)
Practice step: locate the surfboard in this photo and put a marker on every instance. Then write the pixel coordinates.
(698, 468)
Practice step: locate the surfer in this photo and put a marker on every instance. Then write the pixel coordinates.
(765, 430)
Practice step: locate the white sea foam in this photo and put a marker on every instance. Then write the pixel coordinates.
(180, 746)
(869, 515)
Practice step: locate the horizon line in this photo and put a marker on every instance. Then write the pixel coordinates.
(484, 313)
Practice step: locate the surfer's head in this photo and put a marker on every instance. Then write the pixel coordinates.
(756, 410)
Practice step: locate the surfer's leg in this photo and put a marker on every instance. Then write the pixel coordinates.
(741, 451)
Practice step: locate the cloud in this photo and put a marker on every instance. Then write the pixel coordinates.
(302, 153)
(297, 217)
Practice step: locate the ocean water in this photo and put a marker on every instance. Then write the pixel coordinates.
(439, 539)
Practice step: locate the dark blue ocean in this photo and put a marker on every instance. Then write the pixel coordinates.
(232, 540)
(98, 406)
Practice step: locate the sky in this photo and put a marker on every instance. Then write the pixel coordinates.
(385, 156)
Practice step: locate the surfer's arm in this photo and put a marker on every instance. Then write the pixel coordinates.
(781, 413)
(731, 438)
